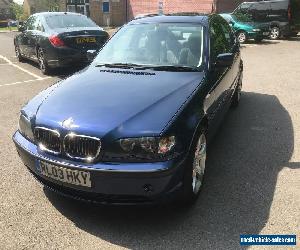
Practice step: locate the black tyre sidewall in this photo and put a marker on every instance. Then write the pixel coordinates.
(46, 69)
(19, 57)
(187, 196)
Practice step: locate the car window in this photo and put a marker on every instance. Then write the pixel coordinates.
(260, 11)
(38, 25)
(227, 18)
(280, 5)
(155, 44)
(219, 44)
(30, 24)
(229, 36)
(243, 13)
(69, 21)
(279, 11)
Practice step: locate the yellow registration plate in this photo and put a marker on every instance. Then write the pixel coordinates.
(85, 40)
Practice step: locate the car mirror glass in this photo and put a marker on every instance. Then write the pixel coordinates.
(21, 28)
(224, 60)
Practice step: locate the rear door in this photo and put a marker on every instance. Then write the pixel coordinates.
(34, 36)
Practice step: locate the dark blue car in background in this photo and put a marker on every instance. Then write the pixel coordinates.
(134, 126)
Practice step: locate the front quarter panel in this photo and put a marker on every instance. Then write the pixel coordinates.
(31, 108)
(187, 120)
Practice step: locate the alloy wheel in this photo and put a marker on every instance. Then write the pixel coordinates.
(242, 37)
(275, 33)
(17, 51)
(199, 164)
(41, 60)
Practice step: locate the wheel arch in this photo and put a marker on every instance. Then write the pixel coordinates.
(203, 123)
(241, 30)
(274, 24)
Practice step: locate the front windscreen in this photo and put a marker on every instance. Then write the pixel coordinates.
(69, 21)
(172, 44)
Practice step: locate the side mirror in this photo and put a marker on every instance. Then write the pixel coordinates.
(21, 28)
(231, 23)
(225, 60)
(91, 54)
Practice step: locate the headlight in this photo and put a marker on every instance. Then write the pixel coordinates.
(150, 148)
(25, 128)
(256, 30)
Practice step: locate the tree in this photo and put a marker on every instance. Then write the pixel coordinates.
(47, 5)
(17, 11)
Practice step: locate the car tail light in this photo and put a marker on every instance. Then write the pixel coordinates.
(290, 13)
(56, 41)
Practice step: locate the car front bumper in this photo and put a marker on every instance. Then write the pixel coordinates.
(112, 183)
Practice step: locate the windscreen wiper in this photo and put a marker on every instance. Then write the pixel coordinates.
(175, 68)
(153, 67)
(121, 65)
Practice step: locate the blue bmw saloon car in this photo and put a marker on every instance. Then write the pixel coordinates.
(133, 127)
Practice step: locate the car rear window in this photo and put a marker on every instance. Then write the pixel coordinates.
(69, 21)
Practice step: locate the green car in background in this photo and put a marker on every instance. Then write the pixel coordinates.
(246, 29)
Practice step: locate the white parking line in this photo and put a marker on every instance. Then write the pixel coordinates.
(249, 45)
(20, 68)
(27, 81)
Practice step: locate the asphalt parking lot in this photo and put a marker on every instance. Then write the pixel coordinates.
(252, 182)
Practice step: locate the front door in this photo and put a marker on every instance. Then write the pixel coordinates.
(221, 79)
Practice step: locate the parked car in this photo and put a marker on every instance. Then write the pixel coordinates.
(245, 29)
(12, 23)
(134, 126)
(58, 39)
(3, 23)
(283, 16)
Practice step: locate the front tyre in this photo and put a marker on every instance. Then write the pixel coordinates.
(18, 53)
(242, 36)
(274, 33)
(194, 173)
(43, 65)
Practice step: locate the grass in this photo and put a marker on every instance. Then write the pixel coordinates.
(7, 29)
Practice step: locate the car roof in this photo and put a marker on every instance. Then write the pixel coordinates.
(56, 13)
(174, 18)
(267, 1)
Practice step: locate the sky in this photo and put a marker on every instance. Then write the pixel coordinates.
(19, 1)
